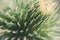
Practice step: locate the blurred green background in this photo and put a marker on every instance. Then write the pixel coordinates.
(56, 28)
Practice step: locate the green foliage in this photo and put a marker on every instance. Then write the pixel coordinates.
(25, 21)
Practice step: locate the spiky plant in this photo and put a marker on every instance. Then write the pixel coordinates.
(25, 21)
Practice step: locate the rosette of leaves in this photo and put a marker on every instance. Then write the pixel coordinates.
(25, 21)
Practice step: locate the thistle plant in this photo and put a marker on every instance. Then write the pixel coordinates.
(25, 21)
